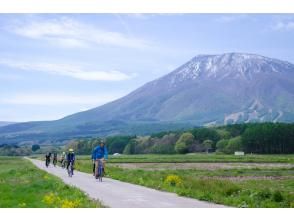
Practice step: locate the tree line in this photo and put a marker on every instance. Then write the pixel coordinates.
(263, 138)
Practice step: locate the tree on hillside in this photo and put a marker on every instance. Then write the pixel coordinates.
(234, 144)
(184, 142)
(221, 145)
(208, 145)
(35, 147)
(130, 148)
(202, 134)
(269, 138)
(116, 144)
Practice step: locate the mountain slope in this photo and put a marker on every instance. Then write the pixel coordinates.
(209, 89)
(4, 123)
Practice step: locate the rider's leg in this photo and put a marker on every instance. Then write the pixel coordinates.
(103, 164)
(96, 167)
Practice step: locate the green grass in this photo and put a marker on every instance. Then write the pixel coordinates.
(24, 185)
(197, 157)
(233, 187)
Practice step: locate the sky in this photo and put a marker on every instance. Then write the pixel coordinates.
(53, 65)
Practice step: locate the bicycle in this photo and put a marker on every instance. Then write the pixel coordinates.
(63, 163)
(54, 162)
(99, 172)
(47, 162)
(70, 169)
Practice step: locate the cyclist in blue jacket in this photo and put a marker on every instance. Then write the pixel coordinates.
(70, 157)
(100, 152)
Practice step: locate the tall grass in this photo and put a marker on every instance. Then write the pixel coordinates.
(24, 185)
(273, 188)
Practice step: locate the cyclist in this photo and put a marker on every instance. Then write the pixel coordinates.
(70, 158)
(62, 159)
(54, 158)
(47, 158)
(100, 152)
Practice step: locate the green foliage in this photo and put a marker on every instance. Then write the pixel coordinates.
(207, 144)
(234, 144)
(117, 144)
(181, 148)
(197, 158)
(130, 148)
(223, 134)
(14, 150)
(221, 186)
(35, 147)
(182, 145)
(265, 138)
(24, 185)
(202, 134)
(269, 138)
(221, 145)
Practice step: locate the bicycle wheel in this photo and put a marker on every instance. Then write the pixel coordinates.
(100, 171)
(69, 170)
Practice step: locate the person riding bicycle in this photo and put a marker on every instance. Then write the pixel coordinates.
(62, 158)
(47, 158)
(54, 158)
(70, 158)
(100, 153)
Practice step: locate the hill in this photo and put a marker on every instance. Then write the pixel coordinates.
(207, 90)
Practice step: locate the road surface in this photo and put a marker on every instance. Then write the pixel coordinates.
(117, 194)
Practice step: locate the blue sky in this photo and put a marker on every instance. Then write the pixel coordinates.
(52, 65)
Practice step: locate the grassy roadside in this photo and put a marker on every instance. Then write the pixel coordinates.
(24, 185)
(234, 187)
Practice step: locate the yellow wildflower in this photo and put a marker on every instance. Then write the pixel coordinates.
(173, 180)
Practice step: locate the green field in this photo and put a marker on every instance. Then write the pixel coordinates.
(197, 158)
(24, 185)
(239, 187)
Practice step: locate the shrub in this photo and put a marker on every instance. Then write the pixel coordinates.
(181, 148)
(277, 196)
(173, 180)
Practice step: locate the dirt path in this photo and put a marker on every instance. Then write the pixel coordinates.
(117, 194)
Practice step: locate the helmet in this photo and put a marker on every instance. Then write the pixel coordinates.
(70, 150)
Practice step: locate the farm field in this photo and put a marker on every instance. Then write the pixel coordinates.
(24, 185)
(197, 157)
(263, 181)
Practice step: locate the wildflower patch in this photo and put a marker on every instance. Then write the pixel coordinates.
(173, 180)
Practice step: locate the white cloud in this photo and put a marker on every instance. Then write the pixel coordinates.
(49, 99)
(73, 71)
(70, 33)
(283, 25)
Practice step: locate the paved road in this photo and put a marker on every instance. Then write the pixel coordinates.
(117, 194)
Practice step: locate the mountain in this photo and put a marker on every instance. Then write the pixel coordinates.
(4, 123)
(207, 90)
